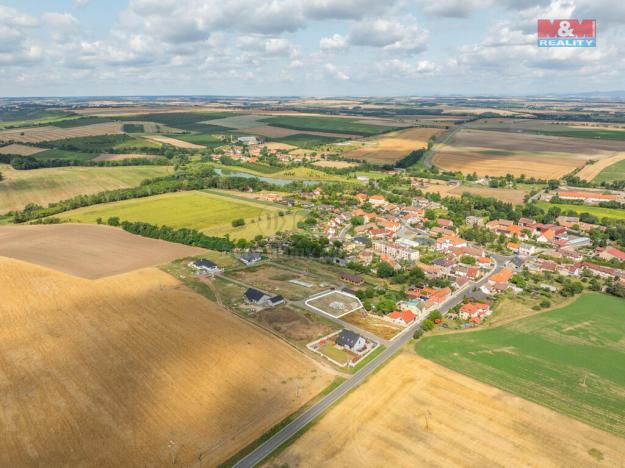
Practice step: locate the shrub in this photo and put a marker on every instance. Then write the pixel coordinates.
(435, 315)
(238, 222)
(418, 333)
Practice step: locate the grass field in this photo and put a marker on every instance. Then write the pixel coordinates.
(611, 173)
(62, 154)
(111, 372)
(327, 124)
(570, 359)
(183, 120)
(77, 121)
(104, 143)
(43, 186)
(208, 212)
(416, 413)
(597, 211)
(208, 140)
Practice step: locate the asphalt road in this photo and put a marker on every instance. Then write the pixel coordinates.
(268, 447)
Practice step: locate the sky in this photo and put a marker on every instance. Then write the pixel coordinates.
(302, 47)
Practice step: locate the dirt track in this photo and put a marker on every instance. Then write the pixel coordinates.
(87, 251)
(108, 372)
(416, 413)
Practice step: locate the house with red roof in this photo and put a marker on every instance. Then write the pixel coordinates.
(611, 253)
(403, 317)
(474, 311)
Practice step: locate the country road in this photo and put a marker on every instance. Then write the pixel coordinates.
(264, 450)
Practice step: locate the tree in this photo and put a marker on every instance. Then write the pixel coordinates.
(384, 270)
(238, 222)
(418, 333)
(467, 260)
(113, 221)
(435, 315)
(357, 221)
(427, 325)
(553, 184)
(1, 176)
(385, 305)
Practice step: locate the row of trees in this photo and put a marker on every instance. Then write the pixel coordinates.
(28, 162)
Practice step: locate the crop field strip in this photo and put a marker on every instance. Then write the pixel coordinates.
(570, 359)
(327, 124)
(49, 133)
(44, 186)
(599, 212)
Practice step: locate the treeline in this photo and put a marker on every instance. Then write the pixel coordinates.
(181, 181)
(413, 158)
(24, 163)
(180, 236)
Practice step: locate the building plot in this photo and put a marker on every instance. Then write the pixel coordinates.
(334, 303)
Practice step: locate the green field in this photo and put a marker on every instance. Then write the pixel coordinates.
(133, 128)
(43, 186)
(611, 173)
(103, 143)
(576, 132)
(183, 120)
(78, 121)
(549, 128)
(208, 212)
(570, 359)
(62, 154)
(306, 141)
(208, 140)
(327, 124)
(597, 211)
(31, 117)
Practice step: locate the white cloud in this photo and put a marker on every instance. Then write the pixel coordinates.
(334, 72)
(63, 22)
(395, 34)
(335, 42)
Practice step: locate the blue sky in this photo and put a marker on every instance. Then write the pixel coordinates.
(301, 47)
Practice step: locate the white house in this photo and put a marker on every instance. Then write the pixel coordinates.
(205, 267)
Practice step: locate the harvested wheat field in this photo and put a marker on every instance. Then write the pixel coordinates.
(21, 150)
(174, 142)
(275, 146)
(393, 146)
(118, 371)
(500, 153)
(417, 413)
(334, 164)
(516, 196)
(119, 157)
(39, 134)
(87, 251)
(590, 171)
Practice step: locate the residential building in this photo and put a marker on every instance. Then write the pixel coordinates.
(404, 317)
(356, 280)
(205, 267)
(396, 251)
(474, 311)
(351, 340)
(611, 253)
(250, 258)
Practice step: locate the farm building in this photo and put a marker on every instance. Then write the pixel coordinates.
(352, 279)
(205, 267)
(249, 258)
(350, 340)
(254, 296)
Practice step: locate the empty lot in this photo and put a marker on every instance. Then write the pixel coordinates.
(417, 413)
(115, 372)
(87, 251)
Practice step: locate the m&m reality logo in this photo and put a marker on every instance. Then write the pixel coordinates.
(567, 33)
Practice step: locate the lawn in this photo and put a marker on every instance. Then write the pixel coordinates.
(569, 359)
(327, 124)
(208, 212)
(597, 211)
(611, 173)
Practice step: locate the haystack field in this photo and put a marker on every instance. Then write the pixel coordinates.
(87, 251)
(500, 153)
(21, 150)
(119, 157)
(417, 413)
(39, 134)
(133, 370)
(392, 146)
(590, 171)
(174, 142)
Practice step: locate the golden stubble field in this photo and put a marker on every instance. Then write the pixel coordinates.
(49, 133)
(416, 413)
(121, 370)
(392, 146)
(499, 153)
